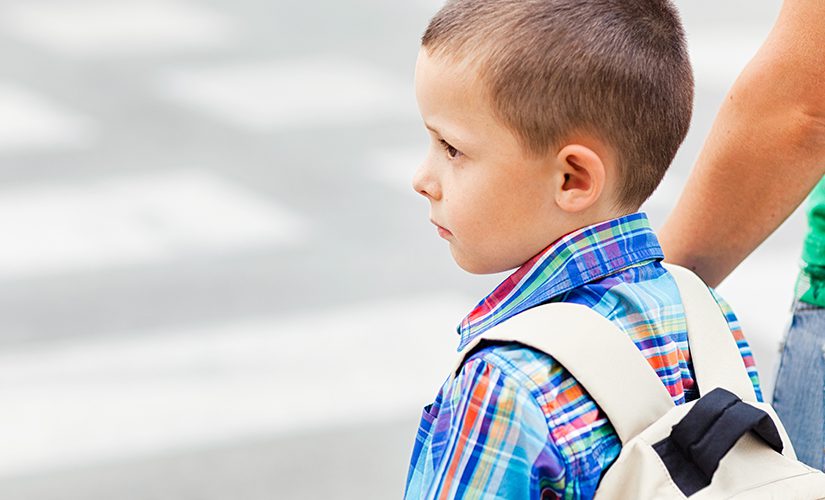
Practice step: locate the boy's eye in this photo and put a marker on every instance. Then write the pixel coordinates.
(452, 152)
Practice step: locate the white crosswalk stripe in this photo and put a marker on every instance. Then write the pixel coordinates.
(30, 121)
(112, 28)
(123, 396)
(267, 95)
(133, 219)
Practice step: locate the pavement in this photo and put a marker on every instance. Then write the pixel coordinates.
(215, 280)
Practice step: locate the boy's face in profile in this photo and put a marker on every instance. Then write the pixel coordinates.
(491, 200)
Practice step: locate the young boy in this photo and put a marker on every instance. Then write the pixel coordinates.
(551, 122)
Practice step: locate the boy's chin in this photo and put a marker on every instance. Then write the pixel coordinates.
(477, 265)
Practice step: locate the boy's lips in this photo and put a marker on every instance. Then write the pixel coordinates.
(444, 233)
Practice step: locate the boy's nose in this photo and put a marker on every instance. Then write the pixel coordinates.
(424, 184)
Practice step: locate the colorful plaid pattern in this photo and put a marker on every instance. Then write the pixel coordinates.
(514, 423)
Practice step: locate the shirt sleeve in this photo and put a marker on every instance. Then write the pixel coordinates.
(741, 342)
(490, 440)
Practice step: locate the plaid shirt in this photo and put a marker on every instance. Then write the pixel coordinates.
(516, 424)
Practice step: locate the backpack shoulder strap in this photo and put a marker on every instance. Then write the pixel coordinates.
(713, 350)
(598, 354)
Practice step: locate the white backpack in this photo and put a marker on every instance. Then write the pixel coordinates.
(723, 445)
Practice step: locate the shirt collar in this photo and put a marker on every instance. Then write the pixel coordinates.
(580, 257)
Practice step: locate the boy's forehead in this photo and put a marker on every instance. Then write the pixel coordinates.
(454, 103)
(460, 70)
(443, 83)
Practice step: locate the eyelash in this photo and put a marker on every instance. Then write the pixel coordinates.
(452, 152)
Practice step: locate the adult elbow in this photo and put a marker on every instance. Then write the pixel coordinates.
(812, 125)
(814, 116)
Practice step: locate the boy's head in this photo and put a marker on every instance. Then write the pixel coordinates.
(546, 116)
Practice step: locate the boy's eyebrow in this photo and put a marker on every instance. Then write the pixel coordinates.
(438, 132)
(431, 128)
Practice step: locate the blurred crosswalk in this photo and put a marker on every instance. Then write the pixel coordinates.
(133, 219)
(99, 28)
(215, 280)
(31, 121)
(306, 93)
(108, 398)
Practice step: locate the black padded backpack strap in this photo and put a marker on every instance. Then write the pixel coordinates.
(704, 436)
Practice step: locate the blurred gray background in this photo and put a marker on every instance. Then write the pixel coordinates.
(215, 280)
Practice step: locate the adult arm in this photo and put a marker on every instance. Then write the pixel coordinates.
(764, 154)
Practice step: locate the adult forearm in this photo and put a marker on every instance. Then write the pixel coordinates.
(756, 168)
(764, 154)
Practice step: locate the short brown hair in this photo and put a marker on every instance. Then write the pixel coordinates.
(616, 68)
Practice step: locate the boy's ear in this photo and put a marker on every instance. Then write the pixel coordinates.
(583, 178)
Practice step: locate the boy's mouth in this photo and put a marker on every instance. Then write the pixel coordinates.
(444, 233)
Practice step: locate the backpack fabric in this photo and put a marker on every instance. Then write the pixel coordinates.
(723, 445)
